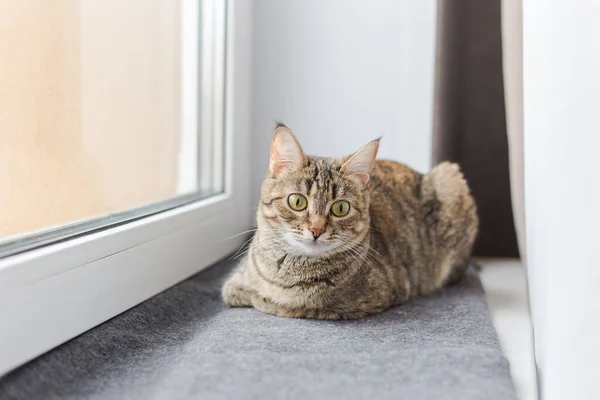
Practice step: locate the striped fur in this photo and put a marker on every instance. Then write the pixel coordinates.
(406, 234)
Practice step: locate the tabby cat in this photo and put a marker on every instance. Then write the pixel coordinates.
(342, 238)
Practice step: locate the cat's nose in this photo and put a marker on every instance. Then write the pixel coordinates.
(316, 231)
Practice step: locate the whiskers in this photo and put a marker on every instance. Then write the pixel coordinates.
(267, 239)
(237, 234)
(365, 255)
(243, 249)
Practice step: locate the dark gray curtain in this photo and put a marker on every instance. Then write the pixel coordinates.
(470, 124)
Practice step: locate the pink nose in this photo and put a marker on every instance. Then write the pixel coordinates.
(317, 232)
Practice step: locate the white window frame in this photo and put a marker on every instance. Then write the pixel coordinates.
(54, 293)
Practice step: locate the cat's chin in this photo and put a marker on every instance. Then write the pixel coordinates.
(311, 248)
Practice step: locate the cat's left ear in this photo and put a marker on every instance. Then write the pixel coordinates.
(359, 164)
(286, 152)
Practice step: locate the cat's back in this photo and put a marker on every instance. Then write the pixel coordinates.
(393, 178)
(394, 204)
(427, 222)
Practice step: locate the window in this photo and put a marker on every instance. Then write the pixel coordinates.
(119, 126)
(101, 115)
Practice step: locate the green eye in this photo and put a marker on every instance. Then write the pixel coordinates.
(340, 208)
(297, 201)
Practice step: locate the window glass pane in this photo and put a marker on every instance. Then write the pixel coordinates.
(99, 107)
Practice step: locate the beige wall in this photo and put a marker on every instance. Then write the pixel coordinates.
(89, 108)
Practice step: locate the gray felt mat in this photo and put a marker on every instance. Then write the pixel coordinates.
(185, 344)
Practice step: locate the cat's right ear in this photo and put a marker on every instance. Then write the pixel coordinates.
(359, 164)
(286, 153)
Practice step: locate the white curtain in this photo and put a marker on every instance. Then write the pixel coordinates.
(552, 89)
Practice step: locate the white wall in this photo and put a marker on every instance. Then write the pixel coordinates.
(561, 64)
(340, 73)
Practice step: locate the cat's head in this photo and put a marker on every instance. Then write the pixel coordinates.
(313, 206)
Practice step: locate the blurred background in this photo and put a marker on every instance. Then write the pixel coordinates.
(92, 103)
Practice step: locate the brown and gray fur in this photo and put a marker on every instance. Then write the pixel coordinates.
(407, 234)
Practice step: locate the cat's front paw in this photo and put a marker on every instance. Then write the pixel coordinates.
(266, 306)
(236, 295)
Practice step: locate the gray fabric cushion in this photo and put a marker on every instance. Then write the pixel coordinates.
(185, 344)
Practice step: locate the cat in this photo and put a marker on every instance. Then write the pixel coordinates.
(343, 238)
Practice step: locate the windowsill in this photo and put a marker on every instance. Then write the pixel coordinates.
(505, 284)
(185, 343)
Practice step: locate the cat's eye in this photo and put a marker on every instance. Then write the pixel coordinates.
(340, 208)
(297, 202)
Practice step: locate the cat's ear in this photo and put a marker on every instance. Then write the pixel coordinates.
(286, 152)
(359, 164)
